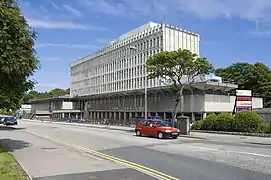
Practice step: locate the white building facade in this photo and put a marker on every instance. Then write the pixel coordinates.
(109, 82)
(120, 65)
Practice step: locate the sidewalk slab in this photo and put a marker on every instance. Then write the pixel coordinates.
(43, 158)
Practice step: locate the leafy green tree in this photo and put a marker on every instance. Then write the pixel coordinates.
(255, 77)
(178, 69)
(17, 55)
(39, 95)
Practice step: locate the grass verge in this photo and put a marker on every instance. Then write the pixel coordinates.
(10, 168)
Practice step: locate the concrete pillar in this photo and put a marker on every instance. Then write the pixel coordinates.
(105, 115)
(94, 115)
(164, 115)
(85, 109)
(63, 115)
(130, 115)
(69, 115)
(102, 115)
(115, 116)
(204, 115)
(193, 117)
(90, 115)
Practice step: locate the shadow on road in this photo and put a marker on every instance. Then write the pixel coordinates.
(10, 128)
(12, 145)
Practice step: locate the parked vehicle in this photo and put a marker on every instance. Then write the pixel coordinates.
(156, 128)
(2, 118)
(10, 120)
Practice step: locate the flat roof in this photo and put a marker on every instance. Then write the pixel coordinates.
(51, 98)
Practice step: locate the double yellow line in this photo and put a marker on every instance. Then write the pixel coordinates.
(135, 166)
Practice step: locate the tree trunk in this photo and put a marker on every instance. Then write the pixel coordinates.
(179, 99)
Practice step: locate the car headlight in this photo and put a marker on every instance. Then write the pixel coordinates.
(167, 130)
(178, 130)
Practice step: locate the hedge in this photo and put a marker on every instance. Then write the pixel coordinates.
(244, 121)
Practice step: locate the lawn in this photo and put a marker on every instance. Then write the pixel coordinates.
(9, 167)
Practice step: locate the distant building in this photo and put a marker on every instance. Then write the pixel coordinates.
(56, 108)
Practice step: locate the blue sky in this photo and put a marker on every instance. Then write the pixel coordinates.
(230, 30)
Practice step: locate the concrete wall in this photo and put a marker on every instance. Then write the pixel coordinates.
(162, 102)
(43, 105)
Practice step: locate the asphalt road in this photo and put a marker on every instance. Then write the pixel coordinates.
(58, 152)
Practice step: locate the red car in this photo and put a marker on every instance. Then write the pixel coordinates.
(156, 128)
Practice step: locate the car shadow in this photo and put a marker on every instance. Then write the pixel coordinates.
(10, 128)
(12, 145)
(150, 137)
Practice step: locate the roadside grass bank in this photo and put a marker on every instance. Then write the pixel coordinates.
(10, 168)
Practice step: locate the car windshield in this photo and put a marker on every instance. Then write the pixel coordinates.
(10, 118)
(163, 123)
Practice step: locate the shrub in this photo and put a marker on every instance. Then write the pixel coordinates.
(247, 121)
(265, 128)
(209, 123)
(224, 122)
(197, 125)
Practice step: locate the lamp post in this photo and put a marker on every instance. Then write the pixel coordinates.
(145, 87)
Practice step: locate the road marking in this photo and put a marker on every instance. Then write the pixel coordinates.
(135, 166)
(227, 151)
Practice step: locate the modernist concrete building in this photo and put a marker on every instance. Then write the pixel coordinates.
(56, 108)
(110, 83)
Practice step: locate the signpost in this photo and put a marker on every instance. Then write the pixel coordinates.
(243, 100)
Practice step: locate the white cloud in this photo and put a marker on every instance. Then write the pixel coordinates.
(55, 6)
(46, 85)
(125, 8)
(47, 24)
(51, 59)
(72, 10)
(246, 9)
(77, 46)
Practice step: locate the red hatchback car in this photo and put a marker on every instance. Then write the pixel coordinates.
(156, 128)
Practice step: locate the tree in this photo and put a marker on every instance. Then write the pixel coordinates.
(17, 55)
(255, 77)
(39, 95)
(177, 69)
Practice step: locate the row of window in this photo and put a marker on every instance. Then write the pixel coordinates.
(130, 84)
(136, 37)
(138, 54)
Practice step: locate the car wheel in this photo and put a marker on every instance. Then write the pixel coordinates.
(138, 133)
(160, 135)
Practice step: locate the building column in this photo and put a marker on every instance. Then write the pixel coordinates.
(164, 115)
(102, 115)
(115, 116)
(86, 109)
(94, 115)
(204, 115)
(130, 115)
(90, 115)
(193, 117)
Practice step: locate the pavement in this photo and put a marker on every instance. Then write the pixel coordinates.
(57, 152)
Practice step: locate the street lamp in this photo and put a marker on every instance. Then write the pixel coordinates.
(145, 88)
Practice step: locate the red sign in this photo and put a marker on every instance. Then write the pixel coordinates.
(243, 98)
